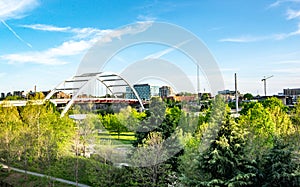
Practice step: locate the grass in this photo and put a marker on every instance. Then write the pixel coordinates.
(124, 138)
(19, 179)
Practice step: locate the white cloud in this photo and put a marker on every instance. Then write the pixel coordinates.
(247, 39)
(137, 28)
(51, 56)
(44, 27)
(14, 9)
(88, 32)
(166, 51)
(243, 39)
(279, 2)
(84, 38)
(146, 18)
(292, 14)
(287, 35)
(79, 33)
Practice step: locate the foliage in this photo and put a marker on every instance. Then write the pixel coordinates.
(280, 166)
(13, 97)
(148, 161)
(264, 121)
(154, 119)
(248, 96)
(10, 125)
(246, 107)
(205, 96)
(223, 163)
(260, 148)
(35, 135)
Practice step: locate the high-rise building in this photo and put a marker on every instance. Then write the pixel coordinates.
(291, 92)
(165, 91)
(294, 93)
(2, 95)
(145, 91)
(17, 93)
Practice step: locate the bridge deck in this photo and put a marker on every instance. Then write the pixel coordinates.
(65, 101)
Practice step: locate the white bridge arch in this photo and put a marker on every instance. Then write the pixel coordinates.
(80, 82)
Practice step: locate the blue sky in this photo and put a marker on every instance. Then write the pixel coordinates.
(43, 41)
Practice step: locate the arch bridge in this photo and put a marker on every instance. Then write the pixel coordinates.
(79, 84)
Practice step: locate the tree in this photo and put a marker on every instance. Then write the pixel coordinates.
(112, 123)
(130, 118)
(248, 96)
(171, 121)
(295, 117)
(154, 119)
(224, 163)
(45, 136)
(188, 162)
(264, 121)
(280, 166)
(87, 132)
(246, 107)
(150, 170)
(205, 96)
(10, 125)
(220, 159)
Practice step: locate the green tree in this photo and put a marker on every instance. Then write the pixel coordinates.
(246, 107)
(148, 159)
(45, 136)
(295, 117)
(112, 123)
(88, 132)
(280, 166)
(10, 125)
(264, 121)
(205, 96)
(220, 159)
(248, 96)
(130, 118)
(155, 117)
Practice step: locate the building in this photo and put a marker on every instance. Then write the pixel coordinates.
(291, 92)
(294, 93)
(18, 93)
(165, 91)
(185, 98)
(226, 92)
(154, 91)
(143, 90)
(228, 95)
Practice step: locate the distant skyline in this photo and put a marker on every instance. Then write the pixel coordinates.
(43, 41)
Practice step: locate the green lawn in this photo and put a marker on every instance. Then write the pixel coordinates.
(123, 138)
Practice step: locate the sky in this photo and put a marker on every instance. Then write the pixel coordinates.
(42, 42)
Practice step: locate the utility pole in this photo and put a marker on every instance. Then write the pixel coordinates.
(236, 95)
(265, 83)
(198, 81)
